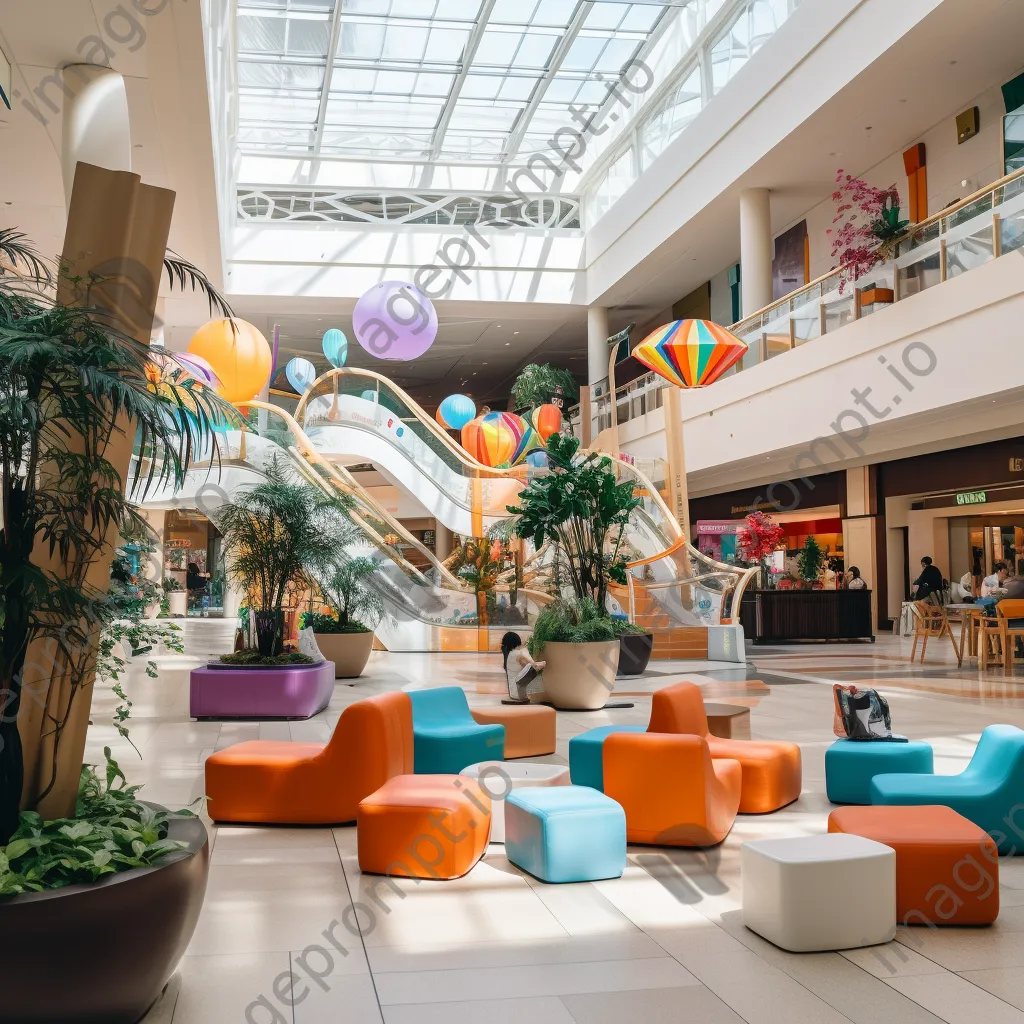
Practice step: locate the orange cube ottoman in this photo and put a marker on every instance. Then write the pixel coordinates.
(529, 728)
(423, 826)
(947, 868)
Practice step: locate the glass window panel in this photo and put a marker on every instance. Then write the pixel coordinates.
(353, 80)
(404, 43)
(670, 118)
(365, 6)
(481, 87)
(457, 10)
(261, 34)
(392, 113)
(396, 82)
(640, 18)
(446, 45)
(611, 188)
(562, 90)
(514, 12)
(280, 76)
(583, 53)
(515, 88)
(553, 12)
(308, 37)
(484, 117)
(535, 50)
(361, 41)
(606, 15)
(497, 48)
(616, 54)
(283, 107)
(412, 8)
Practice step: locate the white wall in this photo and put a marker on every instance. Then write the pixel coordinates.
(760, 425)
(979, 161)
(721, 298)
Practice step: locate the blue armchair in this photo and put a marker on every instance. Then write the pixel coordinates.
(446, 739)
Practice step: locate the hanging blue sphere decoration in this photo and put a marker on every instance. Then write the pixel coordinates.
(457, 411)
(300, 373)
(335, 347)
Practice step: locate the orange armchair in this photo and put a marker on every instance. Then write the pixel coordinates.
(772, 770)
(314, 783)
(672, 791)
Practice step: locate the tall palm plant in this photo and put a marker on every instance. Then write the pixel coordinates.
(72, 387)
(276, 534)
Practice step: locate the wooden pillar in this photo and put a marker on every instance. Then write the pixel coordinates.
(112, 260)
(676, 455)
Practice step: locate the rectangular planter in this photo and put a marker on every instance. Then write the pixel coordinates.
(291, 691)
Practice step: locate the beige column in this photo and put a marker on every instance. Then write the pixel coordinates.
(442, 541)
(755, 249)
(860, 530)
(676, 455)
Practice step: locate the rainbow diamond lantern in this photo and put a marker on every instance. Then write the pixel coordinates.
(690, 353)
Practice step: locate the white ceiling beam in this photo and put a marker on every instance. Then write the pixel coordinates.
(325, 92)
(515, 137)
(472, 45)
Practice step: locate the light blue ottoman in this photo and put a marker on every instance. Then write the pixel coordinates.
(586, 767)
(850, 765)
(565, 833)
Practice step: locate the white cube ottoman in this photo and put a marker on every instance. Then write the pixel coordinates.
(812, 893)
(499, 778)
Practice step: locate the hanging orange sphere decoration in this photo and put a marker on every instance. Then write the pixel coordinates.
(240, 358)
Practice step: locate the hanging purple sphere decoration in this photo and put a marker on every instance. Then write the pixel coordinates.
(335, 347)
(395, 320)
(300, 373)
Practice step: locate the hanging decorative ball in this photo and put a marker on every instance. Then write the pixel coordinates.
(240, 358)
(395, 320)
(546, 420)
(530, 442)
(335, 346)
(300, 373)
(456, 411)
(198, 369)
(493, 438)
(690, 353)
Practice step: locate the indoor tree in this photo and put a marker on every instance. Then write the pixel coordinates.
(537, 384)
(581, 508)
(343, 588)
(72, 387)
(809, 561)
(277, 534)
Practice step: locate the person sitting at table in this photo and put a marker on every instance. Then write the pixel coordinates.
(992, 586)
(929, 582)
(857, 582)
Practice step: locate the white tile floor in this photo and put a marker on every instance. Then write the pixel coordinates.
(663, 943)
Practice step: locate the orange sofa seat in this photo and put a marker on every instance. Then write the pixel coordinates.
(772, 769)
(529, 729)
(423, 826)
(672, 791)
(314, 783)
(947, 868)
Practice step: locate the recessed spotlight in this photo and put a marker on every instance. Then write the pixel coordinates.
(498, 325)
(507, 343)
(515, 332)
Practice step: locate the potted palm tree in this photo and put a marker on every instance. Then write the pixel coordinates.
(274, 533)
(80, 854)
(341, 634)
(580, 508)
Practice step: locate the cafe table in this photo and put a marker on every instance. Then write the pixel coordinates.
(970, 623)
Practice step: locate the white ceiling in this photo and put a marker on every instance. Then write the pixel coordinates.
(161, 58)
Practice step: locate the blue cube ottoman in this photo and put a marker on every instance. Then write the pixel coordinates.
(586, 764)
(850, 765)
(565, 833)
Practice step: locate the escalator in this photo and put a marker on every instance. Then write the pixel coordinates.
(358, 415)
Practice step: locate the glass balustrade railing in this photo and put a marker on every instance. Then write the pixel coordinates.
(977, 230)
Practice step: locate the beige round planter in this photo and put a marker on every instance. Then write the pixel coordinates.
(349, 651)
(580, 676)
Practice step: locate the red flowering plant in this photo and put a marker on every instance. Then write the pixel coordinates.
(865, 236)
(759, 538)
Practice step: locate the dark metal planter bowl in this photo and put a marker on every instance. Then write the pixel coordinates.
(102, 953)
(634, 653)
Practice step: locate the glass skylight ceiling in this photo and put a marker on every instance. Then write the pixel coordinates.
(452, 81)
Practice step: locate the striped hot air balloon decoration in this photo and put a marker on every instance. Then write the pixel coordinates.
(690, 353)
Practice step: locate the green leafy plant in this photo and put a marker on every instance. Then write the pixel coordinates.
(74, 393)
(328, 623)
(580, 508)
(276, 535)
(576, 622)
(250, 656)
(111, 831)
(172, 585)
(809, 561)
(343, 588)
(537, 384)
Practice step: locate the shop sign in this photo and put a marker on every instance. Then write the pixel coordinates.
(183, 542)
(1017, 465)
(971, 498)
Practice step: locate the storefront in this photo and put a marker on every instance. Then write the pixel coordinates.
(193, 565)
(964, 508)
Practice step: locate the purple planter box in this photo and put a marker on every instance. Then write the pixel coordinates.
(293, 691)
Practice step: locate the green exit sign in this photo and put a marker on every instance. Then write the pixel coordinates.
(971, 498)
